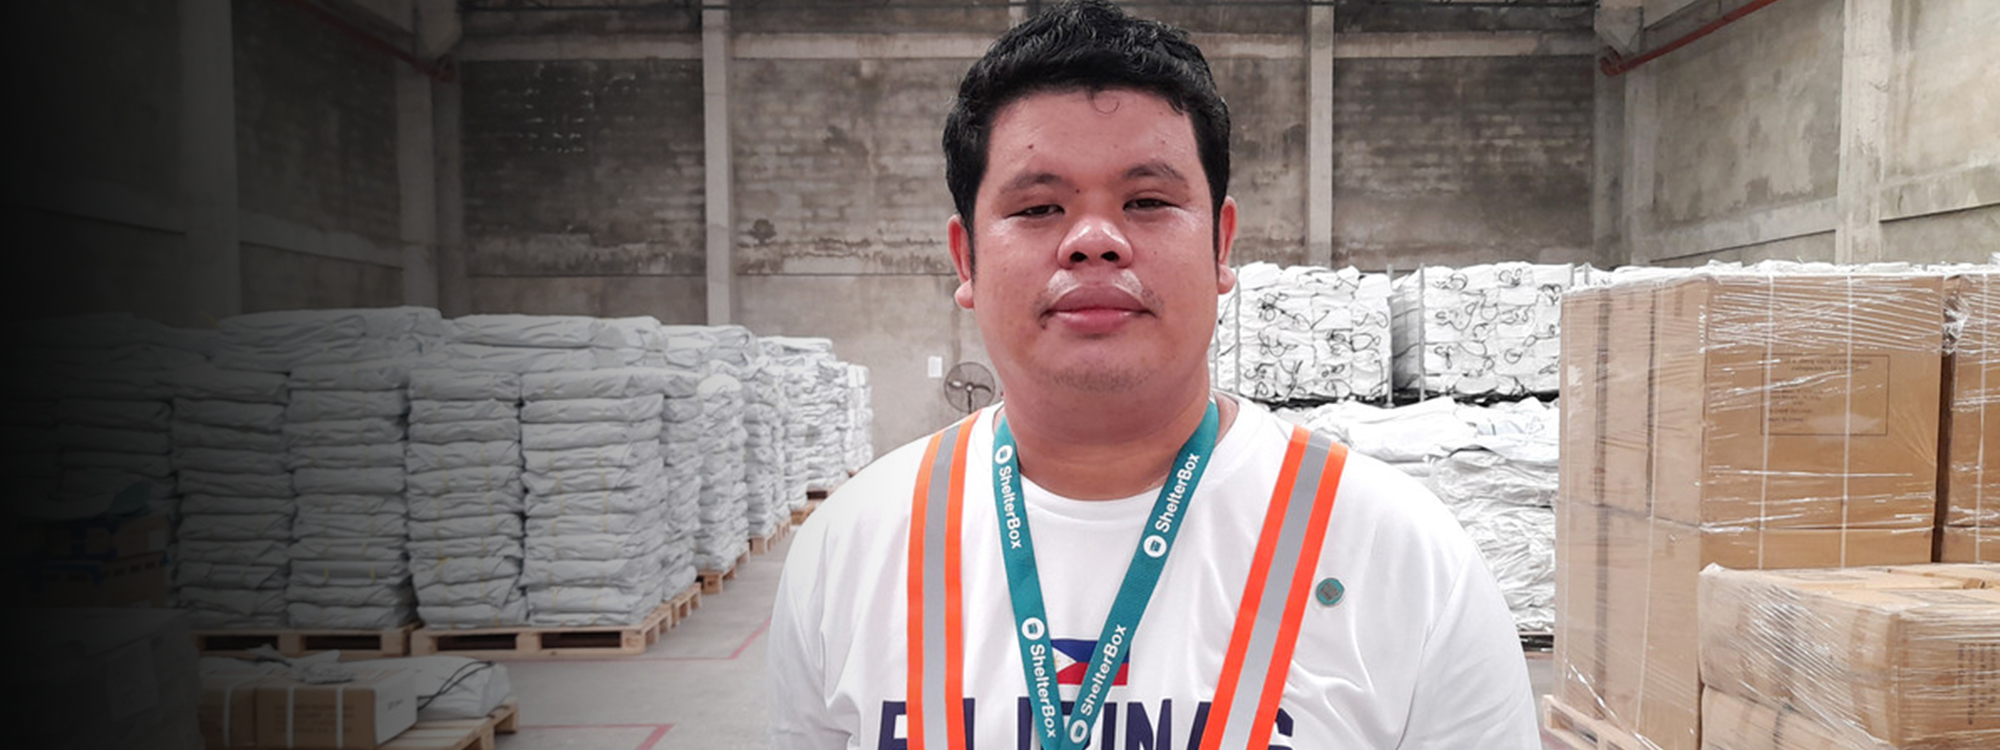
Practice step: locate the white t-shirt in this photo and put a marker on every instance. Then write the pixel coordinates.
(1419, 653)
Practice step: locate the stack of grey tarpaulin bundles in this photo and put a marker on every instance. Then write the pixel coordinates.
(768, 504)
(237, 503)
(1494, 468)
(282, 340)
(465, 497)
(725, 529)
(347, 431)
(543, 343)
(792, 363)
(1490, 330)
(96, 388)
(684, 447)
(832, 409)
(860, 419)
(1303, 333)
(596, 543)
(1502, 486)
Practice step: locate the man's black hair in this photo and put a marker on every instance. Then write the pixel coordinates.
(1087, 45)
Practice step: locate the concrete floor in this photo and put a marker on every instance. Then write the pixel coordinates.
(700, 688)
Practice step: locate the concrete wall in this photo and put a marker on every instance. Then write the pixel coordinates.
(1835, 130)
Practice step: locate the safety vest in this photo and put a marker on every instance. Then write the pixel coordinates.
(1245, 706)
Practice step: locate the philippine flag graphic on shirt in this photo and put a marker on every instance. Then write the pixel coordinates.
(1073, 660)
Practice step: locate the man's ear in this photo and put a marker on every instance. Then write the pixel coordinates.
(960, 239)
(1225, 238)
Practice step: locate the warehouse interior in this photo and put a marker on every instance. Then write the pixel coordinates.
(772, 168)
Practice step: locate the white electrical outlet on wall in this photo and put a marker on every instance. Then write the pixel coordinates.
(935, 367)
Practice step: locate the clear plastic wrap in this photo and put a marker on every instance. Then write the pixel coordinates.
(1771, 417)
(1971, 522)
(1867, 658)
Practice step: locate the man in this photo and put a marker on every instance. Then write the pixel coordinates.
(1115, 556)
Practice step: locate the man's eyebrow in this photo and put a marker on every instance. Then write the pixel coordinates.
(1028, 180)
(1154, 168)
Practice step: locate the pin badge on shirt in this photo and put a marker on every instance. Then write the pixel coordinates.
(1329, 591)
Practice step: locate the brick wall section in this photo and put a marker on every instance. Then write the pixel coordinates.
(96, 94)
(870, 16)
(838, 165)
(1461, 160)
(586, 167)
(315, 123)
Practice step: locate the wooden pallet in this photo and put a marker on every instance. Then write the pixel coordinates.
(532, 643)
(711, 580)
(1579, 731)
(352, 644)
(764, 544)
(800, 515)
(1538, 641)
(460, 734)
(682, 605)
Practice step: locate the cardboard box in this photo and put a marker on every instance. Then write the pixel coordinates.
(1632, 611)
(1970, 544)
(1798, 401)
(1732, 723)
(1914, 667)
(98, 539)
(358, 715)
(1975, 575)
(228, 709)
(139, 581)
(1972, 442)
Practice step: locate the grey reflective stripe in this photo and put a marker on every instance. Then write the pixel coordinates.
(936, 734)
(1276, 587)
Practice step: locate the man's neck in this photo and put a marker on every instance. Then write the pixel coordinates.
(1106, 448)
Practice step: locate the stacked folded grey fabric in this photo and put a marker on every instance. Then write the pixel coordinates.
(463, 475)
(810, 418)
(827, 406)
(282, 340)
(767, 507)
(100, 394)
(682, 446)
(596, 542)
(347, 432)
(860, 419)
(237, 505)
(725, 533)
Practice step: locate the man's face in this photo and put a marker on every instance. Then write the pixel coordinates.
(1098, 267)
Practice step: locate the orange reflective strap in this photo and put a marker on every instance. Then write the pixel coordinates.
(1274, 595)
(936, 689)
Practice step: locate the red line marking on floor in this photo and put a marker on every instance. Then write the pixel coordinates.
(659, 730)
(733, 655)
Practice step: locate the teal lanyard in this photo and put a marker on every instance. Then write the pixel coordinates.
(1025, 586)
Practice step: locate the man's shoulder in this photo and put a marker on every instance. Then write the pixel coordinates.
(880, 491)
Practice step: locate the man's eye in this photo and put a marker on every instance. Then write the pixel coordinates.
(1047, 209)
(1147, 203)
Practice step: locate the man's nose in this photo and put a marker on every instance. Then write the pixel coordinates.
(1094, 239)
